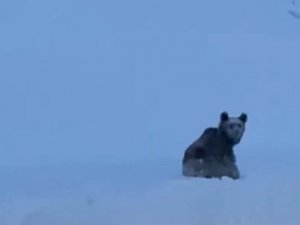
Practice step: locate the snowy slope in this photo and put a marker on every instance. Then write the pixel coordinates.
(155, 194)
(106, 97)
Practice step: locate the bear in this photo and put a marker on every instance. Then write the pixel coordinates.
(212, 155)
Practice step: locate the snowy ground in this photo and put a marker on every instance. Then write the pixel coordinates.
(154, 193)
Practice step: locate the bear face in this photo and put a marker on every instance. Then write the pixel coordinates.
(233, 127)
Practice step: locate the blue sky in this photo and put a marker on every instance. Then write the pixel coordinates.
(118, 81)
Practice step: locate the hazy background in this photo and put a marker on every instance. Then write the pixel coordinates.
(120, 81)
(99, 100)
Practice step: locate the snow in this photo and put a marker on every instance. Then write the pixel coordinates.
(156, 193)
(100, 99)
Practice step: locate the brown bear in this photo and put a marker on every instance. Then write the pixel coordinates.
(211, 155)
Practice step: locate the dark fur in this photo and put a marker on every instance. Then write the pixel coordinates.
(211, 155)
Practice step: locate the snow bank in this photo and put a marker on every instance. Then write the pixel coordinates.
(143, 195)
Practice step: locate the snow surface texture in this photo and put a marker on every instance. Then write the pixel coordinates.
(99, 100)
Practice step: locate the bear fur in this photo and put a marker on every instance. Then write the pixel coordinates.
(211, 155)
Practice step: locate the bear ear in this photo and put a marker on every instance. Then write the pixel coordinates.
(243, 117)
(224, 116)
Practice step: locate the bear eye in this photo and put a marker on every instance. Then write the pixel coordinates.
(235, 125)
